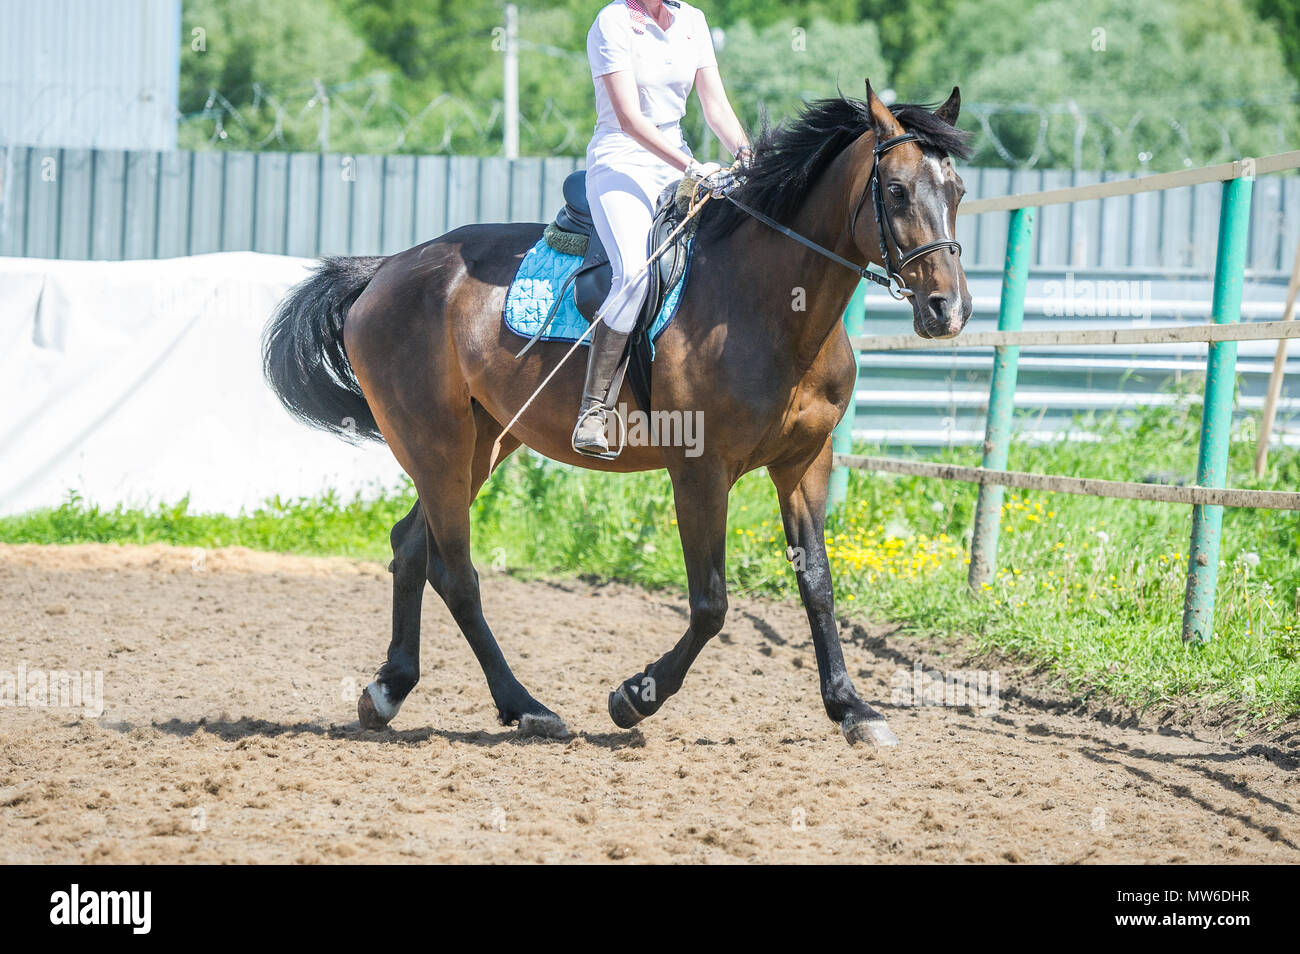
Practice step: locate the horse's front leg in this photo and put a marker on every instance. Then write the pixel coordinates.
(801, 488)
(700, 495)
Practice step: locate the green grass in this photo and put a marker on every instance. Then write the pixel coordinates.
(1088, 589)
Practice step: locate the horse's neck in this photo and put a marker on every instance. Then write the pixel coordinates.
(800, 295)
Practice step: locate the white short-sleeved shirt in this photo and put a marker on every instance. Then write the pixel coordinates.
(663, 62)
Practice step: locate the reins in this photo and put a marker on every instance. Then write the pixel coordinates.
(892, 280)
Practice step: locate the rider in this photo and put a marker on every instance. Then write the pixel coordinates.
(645, 55)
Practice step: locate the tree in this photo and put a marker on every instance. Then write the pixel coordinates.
(1110, 84)
(257, 53)
(1284, 17)
(1095, 83)
(775, 68)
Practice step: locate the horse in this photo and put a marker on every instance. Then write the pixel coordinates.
(411, 349)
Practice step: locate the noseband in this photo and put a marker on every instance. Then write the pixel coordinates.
(892, 281)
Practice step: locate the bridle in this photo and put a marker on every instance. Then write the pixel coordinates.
(885, 227)
(892, 280)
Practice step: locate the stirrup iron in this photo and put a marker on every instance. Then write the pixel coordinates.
(611, 454)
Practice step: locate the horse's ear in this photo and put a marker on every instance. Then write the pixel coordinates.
(886, 126)
(949, 111)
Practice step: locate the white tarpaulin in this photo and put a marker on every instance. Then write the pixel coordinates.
(140, 382)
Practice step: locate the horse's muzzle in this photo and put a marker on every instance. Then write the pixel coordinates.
(942, 316)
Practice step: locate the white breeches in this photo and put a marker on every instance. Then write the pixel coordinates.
(623, 182)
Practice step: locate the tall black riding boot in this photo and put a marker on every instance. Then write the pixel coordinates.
(600, 390)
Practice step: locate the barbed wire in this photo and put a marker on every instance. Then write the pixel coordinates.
(1119, 133)
(309, 116)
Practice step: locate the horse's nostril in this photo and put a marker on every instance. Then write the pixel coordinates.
(939, 308)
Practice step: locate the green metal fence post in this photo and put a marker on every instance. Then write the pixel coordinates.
(1216, 416)
(1002, 399)
(842, 440)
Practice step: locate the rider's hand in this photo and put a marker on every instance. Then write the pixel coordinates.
(701, 170)
(722, 182)
(713, 177)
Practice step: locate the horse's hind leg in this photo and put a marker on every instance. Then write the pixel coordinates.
(456, 581)
(432, 542)
(449, 468)
(381, 699)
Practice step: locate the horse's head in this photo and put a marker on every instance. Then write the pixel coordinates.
(915, 206)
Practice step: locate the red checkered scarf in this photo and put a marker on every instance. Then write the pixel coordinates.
(640, 16)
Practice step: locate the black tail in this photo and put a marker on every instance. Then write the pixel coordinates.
(303, 356)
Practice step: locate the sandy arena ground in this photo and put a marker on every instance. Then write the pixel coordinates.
(229, 734)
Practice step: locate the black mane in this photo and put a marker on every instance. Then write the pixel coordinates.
(789, 158)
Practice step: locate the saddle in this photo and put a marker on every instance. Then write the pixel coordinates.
(592, 280)
(574, 233)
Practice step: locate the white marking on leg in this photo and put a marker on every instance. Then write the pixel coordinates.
(383, 705)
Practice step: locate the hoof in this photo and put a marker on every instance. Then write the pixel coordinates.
(873, 732)
(374, 713)
(545, 725)
(621, 709)
(367, 713)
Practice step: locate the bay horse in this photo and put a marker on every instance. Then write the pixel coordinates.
(411, 349)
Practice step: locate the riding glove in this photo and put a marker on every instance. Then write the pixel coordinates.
(713, 177)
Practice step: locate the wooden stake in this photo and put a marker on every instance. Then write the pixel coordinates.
(1275, 379)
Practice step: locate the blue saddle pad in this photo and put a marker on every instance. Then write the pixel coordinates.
(542, 274)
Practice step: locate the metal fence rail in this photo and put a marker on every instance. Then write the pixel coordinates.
(934, 394)
(1239, 169)
(1209, 496)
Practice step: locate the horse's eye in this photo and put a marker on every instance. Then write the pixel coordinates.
(897, 191)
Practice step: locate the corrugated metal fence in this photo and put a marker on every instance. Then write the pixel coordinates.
(77, 203)
(937, 398)
(111, 204)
